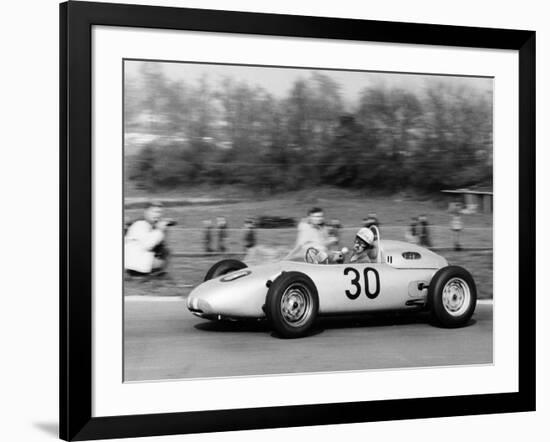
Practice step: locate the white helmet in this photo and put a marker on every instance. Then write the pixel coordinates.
(366, 235)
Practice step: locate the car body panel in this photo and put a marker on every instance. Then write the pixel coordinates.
(394, 283)
(394, 252)
(342, 291)
(242, 297)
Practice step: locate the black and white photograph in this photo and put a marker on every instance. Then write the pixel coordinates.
(282, 220)
(275, 221)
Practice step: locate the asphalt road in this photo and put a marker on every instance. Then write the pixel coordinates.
(164, 341)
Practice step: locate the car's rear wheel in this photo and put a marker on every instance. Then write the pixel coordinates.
(223, 267)
(452, 296)
(292, 304)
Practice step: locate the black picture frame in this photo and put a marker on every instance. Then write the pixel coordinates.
(76, 21)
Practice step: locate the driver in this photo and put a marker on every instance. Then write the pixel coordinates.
(365, 247)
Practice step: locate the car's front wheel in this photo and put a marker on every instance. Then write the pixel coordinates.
(452, 296)
(292, 304)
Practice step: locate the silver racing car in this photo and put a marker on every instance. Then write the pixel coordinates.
(291, 295)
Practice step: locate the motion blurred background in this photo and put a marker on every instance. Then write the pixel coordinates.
(245, 141)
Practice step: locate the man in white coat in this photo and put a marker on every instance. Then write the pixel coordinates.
(144, 250)
(312, 232)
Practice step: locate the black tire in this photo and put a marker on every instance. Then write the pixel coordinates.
(297, 289)
(452, 296)
(224, 266)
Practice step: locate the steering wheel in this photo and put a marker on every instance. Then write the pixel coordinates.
(311, 256)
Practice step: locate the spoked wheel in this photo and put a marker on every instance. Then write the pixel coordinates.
(292, 304)
(296, 304)
(456, 297)
(452, 296)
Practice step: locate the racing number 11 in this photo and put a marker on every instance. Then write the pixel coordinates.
(371, 292)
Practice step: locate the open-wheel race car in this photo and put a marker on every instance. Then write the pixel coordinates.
(291, 294)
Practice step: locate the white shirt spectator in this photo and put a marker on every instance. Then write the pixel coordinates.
(310, 235)
(139, 242)
(313, 236)
(456, 223)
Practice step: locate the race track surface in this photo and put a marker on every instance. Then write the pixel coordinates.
(164, 341)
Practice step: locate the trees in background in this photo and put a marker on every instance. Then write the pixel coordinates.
(234, 133)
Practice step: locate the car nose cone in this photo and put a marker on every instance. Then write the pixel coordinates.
(196, 304)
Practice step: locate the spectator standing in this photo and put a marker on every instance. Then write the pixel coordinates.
(424, 231)
(222, 233)
(207, 236)
(371, 220)
(312, 232)
(249, 234)
(412, 235)
(456, 228)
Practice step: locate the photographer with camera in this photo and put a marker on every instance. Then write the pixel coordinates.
(145, 250)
